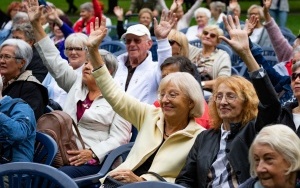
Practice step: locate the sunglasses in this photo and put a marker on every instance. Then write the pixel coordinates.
(294, 76)
(211, 35)
(172, 42)
(135, 40)
(74, 48)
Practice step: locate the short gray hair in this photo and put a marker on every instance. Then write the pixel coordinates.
(20, 17)
(76, 39)
(23, 50)
(283, 140)
(88, 6)
(186, 83)
(202, 10)
(110, 60)
(27, 28)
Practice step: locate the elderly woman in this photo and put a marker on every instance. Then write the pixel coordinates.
(219, 155)
(211, 62)
(216, 8)
(274, 158)
(162, 131)
(145, 18)
(202, 15)
(102, 130)
(17, 81)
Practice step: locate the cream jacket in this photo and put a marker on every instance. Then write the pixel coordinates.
(149, 120)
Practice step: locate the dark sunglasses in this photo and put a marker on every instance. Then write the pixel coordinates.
(211, 35)
(135, 40)
(294, 76)
(172, 42)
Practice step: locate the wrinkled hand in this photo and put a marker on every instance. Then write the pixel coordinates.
(252, 22)
(118, 11)
(167, 21)
(33, 10)
(80, 156)
(52, 15)
(238, 37)
(98, 32)
(126, 176)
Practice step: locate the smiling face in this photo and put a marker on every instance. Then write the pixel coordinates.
(86, 15)
(270, 166)
(229, 105)
(209, 38)
(145, 19)
(76, 54)
(201, 19)
(173, 102)
(137, 47)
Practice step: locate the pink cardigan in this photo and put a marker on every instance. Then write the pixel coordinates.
(283, 49)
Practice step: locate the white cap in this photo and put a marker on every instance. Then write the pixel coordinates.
(138, 30)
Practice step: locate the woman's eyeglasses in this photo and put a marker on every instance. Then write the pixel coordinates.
(295, 75)
(77, 49)
(170, 96)
(211, 35)
(7, 57)
(229, 97)
(172, 42)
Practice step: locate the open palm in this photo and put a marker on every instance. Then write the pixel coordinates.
(33, 10)
(98, 32)
(167, 21)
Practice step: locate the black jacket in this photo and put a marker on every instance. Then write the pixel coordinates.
(286, 116)
(207, 144)
(30, 90)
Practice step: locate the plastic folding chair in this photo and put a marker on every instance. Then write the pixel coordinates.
(112, 46)
(93, 180)
(33, 175)
(152, 184)
(45, 149)
(196, 43)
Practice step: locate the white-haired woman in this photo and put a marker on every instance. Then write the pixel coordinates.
(162, 131)
(202, 15)
(274, 158)
(15, 55)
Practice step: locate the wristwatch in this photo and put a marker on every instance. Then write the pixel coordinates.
(93, 154)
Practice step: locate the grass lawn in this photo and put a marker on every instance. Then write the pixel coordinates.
(292, 22)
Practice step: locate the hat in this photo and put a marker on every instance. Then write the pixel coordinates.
(138, 30)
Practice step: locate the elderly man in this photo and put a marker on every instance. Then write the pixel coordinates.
(138, 74)
(24, 31)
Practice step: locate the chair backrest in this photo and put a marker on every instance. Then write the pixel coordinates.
(226, 49)
(184, 30)
(272, 60)
(122, 151)
(196, 43)
(268, 51)
(234, 71)
(33, 175)
(153, 50)
(152, 184)
(45, 149)
(107, 38)
(112, 46)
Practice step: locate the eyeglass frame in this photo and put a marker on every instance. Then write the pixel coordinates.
(77, 49)
(7, 57)
(172, 42)
(295, 75)
(211, 35)
(135, 40)
(231, 99)
(170, 96)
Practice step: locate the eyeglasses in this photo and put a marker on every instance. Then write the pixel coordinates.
(77, 49)
(211, 35)
(7, 57)
(135, 40)
(173, 42)
(229, 97)
(170, 96)
(295, 75)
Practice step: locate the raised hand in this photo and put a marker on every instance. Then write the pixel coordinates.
(33, 10)
(267, 5)
(239, 38)
(98, 32)
(167, 21)
(252, 22)
(119, 12)
(52, 15)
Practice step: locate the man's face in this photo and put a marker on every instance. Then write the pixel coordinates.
(137, 46)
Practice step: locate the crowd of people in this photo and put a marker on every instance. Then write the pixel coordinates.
(198, 124)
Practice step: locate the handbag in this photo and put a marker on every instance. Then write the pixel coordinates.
(110, 182)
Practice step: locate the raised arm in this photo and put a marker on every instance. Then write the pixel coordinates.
(239, 41)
